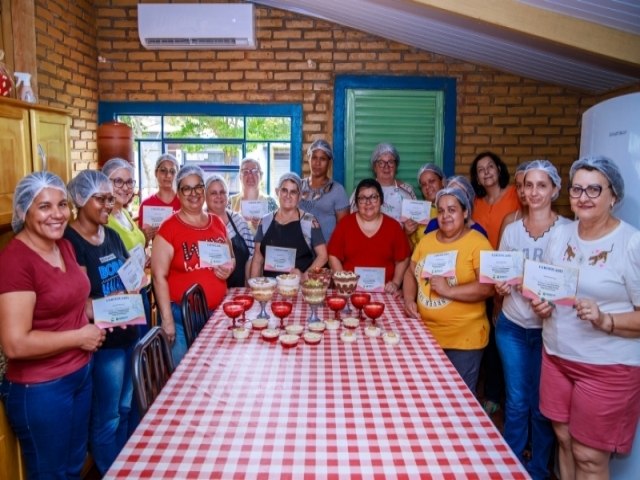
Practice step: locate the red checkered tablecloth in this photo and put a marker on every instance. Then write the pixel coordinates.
(253, 409)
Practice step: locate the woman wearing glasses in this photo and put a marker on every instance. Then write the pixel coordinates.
(45, 333)
(250, 179)
(175, 260)
(590, 381)
(166, 169)
(100, 253)
(292, 228)
(369, 238)
(322, 196)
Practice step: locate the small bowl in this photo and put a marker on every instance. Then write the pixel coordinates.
(351, 322)
(259, 323)
(317, 327)
(332, 324)
(270, 334)
(240, 333)
(294, 329)
(312, 338)
(372, 331)
(348, 336)
(288, 340)
(391, 338)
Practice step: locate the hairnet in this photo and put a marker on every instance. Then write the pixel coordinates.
(320, 145)
(464, 184)
(459, 194)
(216, 178)
(521, 167)
(27, 190)
(116, 164)
(430, 167)
(187, 170)
(86, 184)
(167, 157)
(251, 160)
(290, 176)
(383, 148)
(606, 167)
(547, 167)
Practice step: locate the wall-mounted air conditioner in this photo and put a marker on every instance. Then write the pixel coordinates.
(180, 26)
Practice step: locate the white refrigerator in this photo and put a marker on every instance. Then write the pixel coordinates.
(612, 129)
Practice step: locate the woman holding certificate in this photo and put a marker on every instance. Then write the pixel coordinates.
(590, 380)
(519, 329)
(441, 285)
(369, 239)
(101, 254)
(250, 202)
(290, 239)
(191, 247)
(45, 333)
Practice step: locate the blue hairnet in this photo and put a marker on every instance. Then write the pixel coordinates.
(320, 145)
(187, 170)
(606, 167)
(86, 184)
(547, 167)
(292, 177)
(383, 148)
(431, 167)
(521, 167)
(464, 184)
(167, 157)
(27, 190)
(116, 164)
(460, 194)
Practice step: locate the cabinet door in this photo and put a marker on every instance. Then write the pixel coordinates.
(15, 155)
(50, 143)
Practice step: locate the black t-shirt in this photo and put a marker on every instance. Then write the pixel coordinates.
(287, 236)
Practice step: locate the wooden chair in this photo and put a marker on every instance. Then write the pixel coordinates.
(194, 312)
(152, 367)
(12, 465)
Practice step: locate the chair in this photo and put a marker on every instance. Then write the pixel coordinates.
(152, 367)
(194, 312)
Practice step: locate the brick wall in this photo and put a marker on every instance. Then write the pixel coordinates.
(67, 73)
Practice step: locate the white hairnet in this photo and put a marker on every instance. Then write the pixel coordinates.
(167, 157)
(431, 167)
(464, 184)
(459, 194)
(216, 178)
(292, 177)
(606, 167)
(187, 170)
(383, 148)
(116, 164)
(86, 184)
(320, 145)
(27, 190)
(251, 160)
(547, 167)
(521, 167)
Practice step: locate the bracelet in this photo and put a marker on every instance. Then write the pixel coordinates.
(613, 324)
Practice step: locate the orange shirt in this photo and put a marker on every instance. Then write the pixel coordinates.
(491, 216)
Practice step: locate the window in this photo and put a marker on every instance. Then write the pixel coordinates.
(215, 137)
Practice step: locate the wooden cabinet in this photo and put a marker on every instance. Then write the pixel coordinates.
(32, 138)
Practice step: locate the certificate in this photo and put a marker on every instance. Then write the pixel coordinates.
(154, 216)
(503, 266)
(279, 259)
(371, 279)
(557, 285)
(213, 254)
(440, 264)
(417, 210)
(132, 275)
(139, 255)
(254, 208)
(118, 310)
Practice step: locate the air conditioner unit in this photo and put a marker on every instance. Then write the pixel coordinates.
(179, 26)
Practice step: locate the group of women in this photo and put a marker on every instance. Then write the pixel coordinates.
(574, 372)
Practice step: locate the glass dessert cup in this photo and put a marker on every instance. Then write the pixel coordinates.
(247, 302)
(359, 300)
(374, 310)
(335, 304)
(262, 289)
(345, 283)
(288, 285)
(314, 292)
(281, 309)
(233, 310)
(322, 274)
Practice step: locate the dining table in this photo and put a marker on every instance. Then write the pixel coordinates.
(254, 408)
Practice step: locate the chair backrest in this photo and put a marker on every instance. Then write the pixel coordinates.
(194, 312)
(152, 367)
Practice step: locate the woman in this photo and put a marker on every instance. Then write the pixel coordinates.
(289, 227)
(590, 381)
(100, 253)
(385, 160)
(518, 180)
(452, 308)
(250, 179)
(45, 333)
(175, 258)
(519, 330)
(166, 169)
(321, 196)
(431, 179)
(237, 229)
(369, 238)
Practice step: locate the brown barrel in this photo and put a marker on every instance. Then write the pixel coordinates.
(115, 139)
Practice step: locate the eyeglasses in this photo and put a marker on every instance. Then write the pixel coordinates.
(167, 171)
(386, 163)
(188, 190)
(105, 200)
(592, 191)
(214, 193)
(119, 182)
(289, 193)
(250, 171)
(370, 199)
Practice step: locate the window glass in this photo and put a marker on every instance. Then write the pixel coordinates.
(190, 126)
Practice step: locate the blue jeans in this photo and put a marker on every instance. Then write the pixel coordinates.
(51, 421)
(112, 394)
(467, 363)
(179, 347)
(521, 352)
